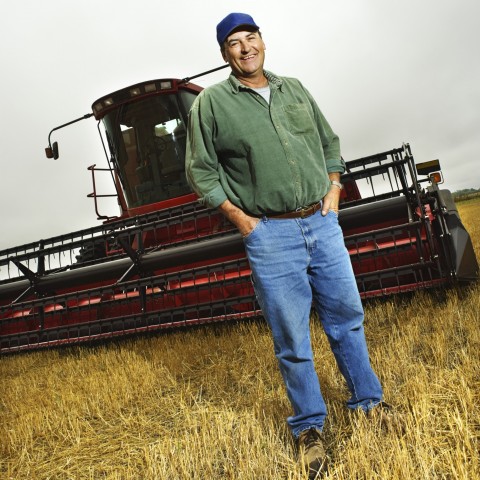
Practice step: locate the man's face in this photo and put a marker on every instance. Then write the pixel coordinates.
(245, 52)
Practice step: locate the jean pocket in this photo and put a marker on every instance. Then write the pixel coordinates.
(252, 232)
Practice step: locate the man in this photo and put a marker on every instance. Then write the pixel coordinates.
(261, 151)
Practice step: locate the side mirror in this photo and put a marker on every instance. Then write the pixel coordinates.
(52, 151)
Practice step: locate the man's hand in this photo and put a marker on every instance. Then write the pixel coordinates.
(332, 198)
(238, 217)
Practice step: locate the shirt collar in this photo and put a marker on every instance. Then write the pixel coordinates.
(273, 81)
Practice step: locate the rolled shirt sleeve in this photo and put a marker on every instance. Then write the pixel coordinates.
(201, 161)
(330, 141)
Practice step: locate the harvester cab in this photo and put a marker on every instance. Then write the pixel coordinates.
(145, 128)
(167, 261)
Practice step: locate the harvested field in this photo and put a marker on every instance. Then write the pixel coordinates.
(208, 403)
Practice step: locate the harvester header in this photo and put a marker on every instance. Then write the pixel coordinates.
(167, 261)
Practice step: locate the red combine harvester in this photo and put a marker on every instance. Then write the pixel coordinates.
(167, 261)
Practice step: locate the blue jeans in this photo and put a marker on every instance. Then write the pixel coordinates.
(294, 262)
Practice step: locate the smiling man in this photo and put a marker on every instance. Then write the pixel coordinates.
(245, 52)
(261, 151)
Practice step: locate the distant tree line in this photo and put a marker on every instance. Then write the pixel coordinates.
(466, 194)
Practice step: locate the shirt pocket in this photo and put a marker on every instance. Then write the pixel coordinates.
(299, 118)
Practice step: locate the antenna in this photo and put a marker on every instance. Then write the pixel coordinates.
(187, 79)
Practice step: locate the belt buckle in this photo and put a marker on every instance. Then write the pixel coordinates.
(306, 211)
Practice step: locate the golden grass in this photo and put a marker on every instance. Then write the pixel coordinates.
(208, 403)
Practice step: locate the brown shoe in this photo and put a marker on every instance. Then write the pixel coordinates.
(312, 452)
(385, 416)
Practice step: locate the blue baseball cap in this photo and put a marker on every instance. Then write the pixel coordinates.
(231, 22)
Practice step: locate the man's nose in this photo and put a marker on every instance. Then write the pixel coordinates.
(245, 47)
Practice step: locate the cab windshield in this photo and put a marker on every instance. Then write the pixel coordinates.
(147, 140)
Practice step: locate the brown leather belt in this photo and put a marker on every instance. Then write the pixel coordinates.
(302, 212)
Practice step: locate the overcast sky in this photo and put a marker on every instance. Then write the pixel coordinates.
(384, 72)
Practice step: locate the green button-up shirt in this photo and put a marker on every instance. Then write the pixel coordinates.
(264, 158)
